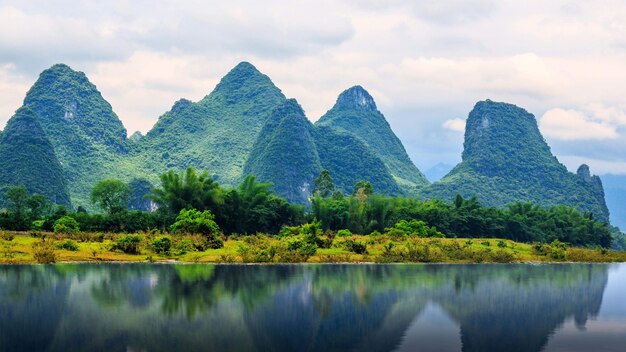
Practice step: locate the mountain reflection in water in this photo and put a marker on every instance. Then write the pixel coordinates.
(143, 307)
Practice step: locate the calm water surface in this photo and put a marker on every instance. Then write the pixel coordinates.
(142, 307)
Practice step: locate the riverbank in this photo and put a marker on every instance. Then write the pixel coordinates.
(22, 248)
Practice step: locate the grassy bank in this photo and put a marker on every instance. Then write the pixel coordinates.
(22, 248)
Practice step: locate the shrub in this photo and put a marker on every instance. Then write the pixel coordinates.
(128, 244)
(557, 250)
(295, 250)
(162, 245)
(193, 221)
(502, 256)
(353, 246)
(502, 243)
(196, 222)
(344, 233)
(417, 228)
(43, 252)
(67, 245)
(66, 225)
(395, 233)
(424, 253)
(183, 246)
(7, 236)
(38, 225)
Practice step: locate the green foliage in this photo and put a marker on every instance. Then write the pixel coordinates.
(186, 190)
(399, 217)
(43, 252)
(324, 185)
(66, 224)
(344, 233)
(128, 244)
(199, 222)
(112, 196)
(285, 153)
(193, 221)
(29, 160)
(417, 228)
(163, 244)
(354, 246)
(67, 245)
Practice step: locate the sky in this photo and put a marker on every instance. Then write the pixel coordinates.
(426, 63)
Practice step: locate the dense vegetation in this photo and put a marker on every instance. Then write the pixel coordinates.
(27, 159)
(188, 201)
(285, 153)
(505, 158)
(355, 113)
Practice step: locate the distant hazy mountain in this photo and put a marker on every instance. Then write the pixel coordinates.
(355, 113)
(27, 159)
(615, 191)
(506, 159)
(438, 171)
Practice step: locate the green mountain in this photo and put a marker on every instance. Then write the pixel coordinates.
(355, 113)
(285, 153)
(505, 159)
(349, 160)
(27, 158)
(87, 136)
(217, 133)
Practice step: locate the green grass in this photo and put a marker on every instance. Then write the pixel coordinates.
(18, 248)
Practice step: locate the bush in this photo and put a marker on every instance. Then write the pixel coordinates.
(183, 246)
(353, 246)
(502, 256)
(67, 245)
(162, 245)
(196, 222)
(128, 244)
(344, 233)
(66, 225)
(7, 236)
(193, 221)
(43, 252)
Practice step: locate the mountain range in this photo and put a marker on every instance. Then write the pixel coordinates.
(246, 126)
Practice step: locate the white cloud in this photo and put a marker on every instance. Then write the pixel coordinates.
(457, 125)
(422, 61)
(568, 124)
(597, 166)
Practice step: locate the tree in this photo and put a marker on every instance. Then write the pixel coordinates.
(324, 185)
(363, 186)
(192, 221)
(187, 191)
(111, 195)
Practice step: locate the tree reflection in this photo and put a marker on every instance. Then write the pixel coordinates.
(288, 307)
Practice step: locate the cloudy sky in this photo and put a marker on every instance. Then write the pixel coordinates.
(426, 63)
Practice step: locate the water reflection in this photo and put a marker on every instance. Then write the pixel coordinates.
(144, 307)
